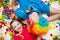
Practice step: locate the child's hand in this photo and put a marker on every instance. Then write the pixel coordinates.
(34, 17)
(22, 37)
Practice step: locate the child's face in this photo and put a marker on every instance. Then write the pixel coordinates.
(17, 26)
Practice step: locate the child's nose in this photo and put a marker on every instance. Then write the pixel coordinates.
(19, 26)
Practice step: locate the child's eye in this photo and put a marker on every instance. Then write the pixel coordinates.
(14, 27)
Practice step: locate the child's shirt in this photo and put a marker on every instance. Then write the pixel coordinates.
(26, 34)
(28, 6)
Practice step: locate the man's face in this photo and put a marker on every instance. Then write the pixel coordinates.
(34, 17)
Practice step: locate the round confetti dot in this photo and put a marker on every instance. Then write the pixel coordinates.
(51, 35)
(56, 26)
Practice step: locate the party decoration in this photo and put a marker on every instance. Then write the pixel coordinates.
(1, 36)
(8, 36)
(9, 33)
(52, 25)
(52, 1)
(1, 9)
(6, 2)
(56, 37)
(12, 15)
(2, 24)
(1, 2)
(6, 9)
(8, 12)
(59, 2)
(58, 24)
(40, 27)
(2, 18)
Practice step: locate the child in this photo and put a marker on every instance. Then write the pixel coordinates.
(34, 7)
(21, 32)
